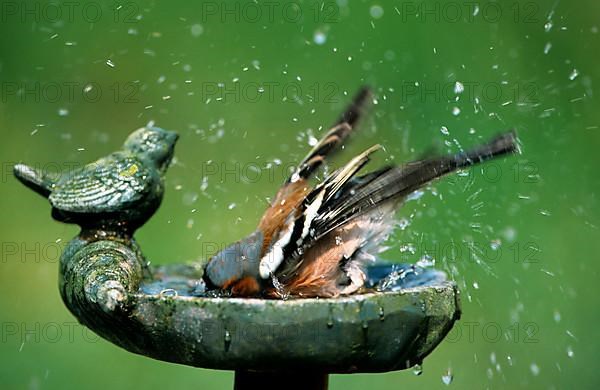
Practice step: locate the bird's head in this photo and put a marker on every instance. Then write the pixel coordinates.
(154, 144)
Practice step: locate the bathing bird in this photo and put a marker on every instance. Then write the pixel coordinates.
(317, 240)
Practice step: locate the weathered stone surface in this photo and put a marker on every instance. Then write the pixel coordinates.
(373, 332)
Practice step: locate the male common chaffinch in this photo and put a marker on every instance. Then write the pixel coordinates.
(316, 241)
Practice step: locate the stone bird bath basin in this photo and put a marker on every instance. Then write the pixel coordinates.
(164, 313)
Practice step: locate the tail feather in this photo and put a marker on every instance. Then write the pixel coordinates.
(334, 138)
(34, 179)
(356, 109)
(394, 183)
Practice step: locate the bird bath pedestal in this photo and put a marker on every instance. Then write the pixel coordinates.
(157, 312)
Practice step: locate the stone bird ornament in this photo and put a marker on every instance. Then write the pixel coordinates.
(317, 241)
(119, 192)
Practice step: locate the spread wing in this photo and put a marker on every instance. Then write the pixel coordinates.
(358, 210)
(111, 184)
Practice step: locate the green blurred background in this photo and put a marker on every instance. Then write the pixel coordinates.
(519, 236)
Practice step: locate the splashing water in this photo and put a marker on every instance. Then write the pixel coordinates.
(447, 378)
(319, 37)
(417, 369)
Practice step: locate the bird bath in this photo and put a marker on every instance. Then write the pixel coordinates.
(163, 313)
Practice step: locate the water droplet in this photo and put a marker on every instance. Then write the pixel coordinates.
(570, 352)
(458, 87)
(403, 223)
(414, 196)
(495, 244)
(197, 30)
(227, 340)
(410, 248)
(444, 130)
(110, 63)
(376, 11)
(548, 26)
(381, 313)
(204, 184)
(425, 262)
(338, 240)
(574, 74)
(447, 378)
(231, 206)
(330, 318)
(281, 291)
(417, 369)
(535, 369)
(63, 112)
(547, 47)
(319, 37)
(456, 111)
(557, 316)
